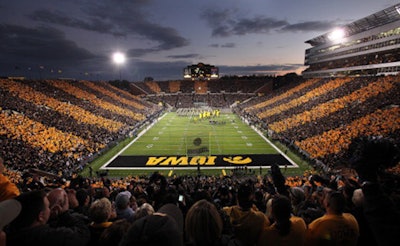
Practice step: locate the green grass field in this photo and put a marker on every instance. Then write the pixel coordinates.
(174, 135)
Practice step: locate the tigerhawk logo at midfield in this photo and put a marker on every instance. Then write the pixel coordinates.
(193, 161)
(238, 160)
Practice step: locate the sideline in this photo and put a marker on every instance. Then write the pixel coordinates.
(134, 140)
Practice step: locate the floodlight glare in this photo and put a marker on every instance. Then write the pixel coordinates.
(336, 35)
(118, 57)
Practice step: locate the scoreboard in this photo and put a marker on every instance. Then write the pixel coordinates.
(200, 71)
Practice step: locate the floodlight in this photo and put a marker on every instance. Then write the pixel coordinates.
(336, 35)
(118, 57)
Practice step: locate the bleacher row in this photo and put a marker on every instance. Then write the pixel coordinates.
(63, 124)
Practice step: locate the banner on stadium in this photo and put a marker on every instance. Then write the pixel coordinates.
(204, 161)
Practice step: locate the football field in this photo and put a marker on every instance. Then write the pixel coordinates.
(221, 141)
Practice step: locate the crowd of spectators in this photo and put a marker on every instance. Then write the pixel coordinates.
(315, 209)
(318, 118)
(63, 124)
(321, 117)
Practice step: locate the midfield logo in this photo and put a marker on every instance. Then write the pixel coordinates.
(183, 161)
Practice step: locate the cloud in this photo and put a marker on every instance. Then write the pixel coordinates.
(257, 25)
(40, 43)
(139, 52)
(184, 56)
(258, 69)
(95, 24)
(228, 45)
(127, 19)
(44, 52)
(309, 26)
(227, 22)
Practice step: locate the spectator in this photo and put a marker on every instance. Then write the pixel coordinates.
(100, 213)
(223, 197)
(122, 206)
(335, 227)
(311, 208)
(60, 214)
(31, 226)
(144, 210)
(370, 157)
(153, 230)
(203, 225)
(297, 198)
(102, 192)
(366, 236)
(170, 207)
(247, 221)
(286, 228)
(113, 234)
(58, 202)
(83, 202)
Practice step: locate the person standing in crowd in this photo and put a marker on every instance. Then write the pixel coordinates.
(371, 157)
(153, 230)
(144, 210)
(297, 198)
(84, 201)
(100, 214)
(58, 203)
(31, 226)
(60, 212)
(203, 225)
(113, 234)
(335, 227)
(286, 229)
(122, 206)
(169, 205)
(246, 220)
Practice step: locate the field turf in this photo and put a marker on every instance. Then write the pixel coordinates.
(172, 136)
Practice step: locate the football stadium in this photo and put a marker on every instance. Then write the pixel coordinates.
(335, 127)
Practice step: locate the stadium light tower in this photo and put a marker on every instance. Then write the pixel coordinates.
(119, 59)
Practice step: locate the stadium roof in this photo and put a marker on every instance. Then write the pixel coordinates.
(377, 19)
